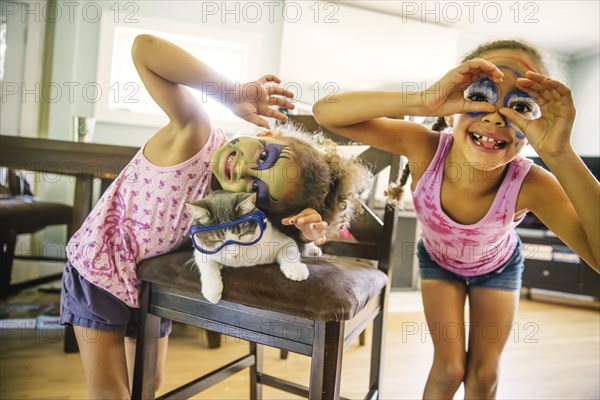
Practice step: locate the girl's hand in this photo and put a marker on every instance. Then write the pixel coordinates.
(251, 100)
(551, 133)
(446, 96)
(310, 224)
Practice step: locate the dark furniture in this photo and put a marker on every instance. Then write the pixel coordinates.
(574, 277)
(21, 213)
(24, 215)
(81, 162)
(570, 277)
(318, 317)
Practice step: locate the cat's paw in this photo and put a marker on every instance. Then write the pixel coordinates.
(295, 271)
(311, 250)
(212, 294)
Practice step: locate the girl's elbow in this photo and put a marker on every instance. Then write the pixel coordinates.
(140, 45)
(317, 108)
(320, 113)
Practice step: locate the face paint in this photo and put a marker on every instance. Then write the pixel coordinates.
(269, 156)
(485, 90)
(264, 166)
(482, 90)
(522, 103)
(516, 72)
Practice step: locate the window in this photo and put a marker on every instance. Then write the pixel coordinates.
(128, 102)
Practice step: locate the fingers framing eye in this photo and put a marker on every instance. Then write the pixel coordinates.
(534, 90)
(479, 66)
(549, 89)
(515, 118)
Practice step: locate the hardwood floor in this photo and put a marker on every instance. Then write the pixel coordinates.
(554, 353)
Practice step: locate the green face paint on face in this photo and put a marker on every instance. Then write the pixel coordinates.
(261, 165)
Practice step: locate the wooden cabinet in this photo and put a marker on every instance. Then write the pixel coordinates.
(569, 277)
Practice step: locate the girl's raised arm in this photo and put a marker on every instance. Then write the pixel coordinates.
(166, 69)
(359, 115)
(568, 202)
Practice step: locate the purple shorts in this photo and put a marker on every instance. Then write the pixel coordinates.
(88, 306)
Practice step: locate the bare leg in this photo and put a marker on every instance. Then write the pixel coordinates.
(160, 362)
(492, 314)
(104, 364)
(444, 303)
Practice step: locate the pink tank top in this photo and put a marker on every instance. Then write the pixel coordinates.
(142, 214)
(468, 250)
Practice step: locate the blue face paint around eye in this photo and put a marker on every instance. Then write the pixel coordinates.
(516, 98)
(517, 73)
(262, 193)
(483, 89)
(271, 154)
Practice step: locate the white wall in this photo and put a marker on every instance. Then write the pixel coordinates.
(354, 49)
(16, 32)
(76, 53)
(585, 84)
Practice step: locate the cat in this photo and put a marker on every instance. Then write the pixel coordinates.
(221, 207)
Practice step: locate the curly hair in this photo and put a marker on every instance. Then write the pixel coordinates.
(329, 183)
(396, 190)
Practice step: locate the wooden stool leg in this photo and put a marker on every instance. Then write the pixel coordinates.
(7, 254)
(255, 371)
(377, 350)
(362, 338)
(326, 362)
(214, 339)
(146, 350)
(70, 344)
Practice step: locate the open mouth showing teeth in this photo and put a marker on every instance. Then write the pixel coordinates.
(229, 161)
(487, 142)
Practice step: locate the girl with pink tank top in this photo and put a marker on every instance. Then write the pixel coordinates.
(471, 188)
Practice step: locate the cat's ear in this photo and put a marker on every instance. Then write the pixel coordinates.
(247, 205)
(199, 213)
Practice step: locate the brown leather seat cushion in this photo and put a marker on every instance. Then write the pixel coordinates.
(22, 216)
(336, 289)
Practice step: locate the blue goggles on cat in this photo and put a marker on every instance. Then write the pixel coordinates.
(244, 231)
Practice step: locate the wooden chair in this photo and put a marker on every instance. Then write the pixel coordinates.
(21, 213)
(319, 317)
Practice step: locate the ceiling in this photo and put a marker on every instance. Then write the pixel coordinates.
(568, 27)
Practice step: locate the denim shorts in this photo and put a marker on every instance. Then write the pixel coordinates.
(88, 306)
(506, 277)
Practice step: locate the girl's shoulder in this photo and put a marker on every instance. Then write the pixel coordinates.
(536, 187)
(425, 146)
(174, 144)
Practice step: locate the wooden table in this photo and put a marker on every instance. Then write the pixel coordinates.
(84, 161)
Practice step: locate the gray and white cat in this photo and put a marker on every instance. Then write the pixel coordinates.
(220, 207)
